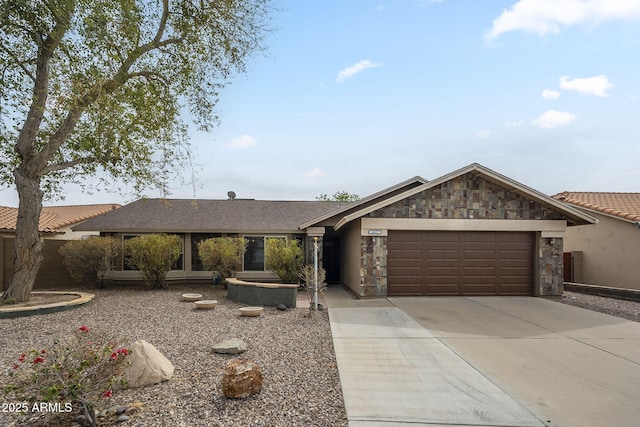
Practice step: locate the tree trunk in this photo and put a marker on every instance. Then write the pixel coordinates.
(28, 242)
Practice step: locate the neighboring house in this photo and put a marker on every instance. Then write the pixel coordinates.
(55, 227)
(607, 254)
(470, 232)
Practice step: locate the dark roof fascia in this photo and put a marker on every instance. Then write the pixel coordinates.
(366, 201)
(489, 174)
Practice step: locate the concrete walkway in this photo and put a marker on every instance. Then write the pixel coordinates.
(486, 361)
(394, 372)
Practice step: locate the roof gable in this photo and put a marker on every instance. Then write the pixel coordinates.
(624, 206)
(572, 215)
(375, 198)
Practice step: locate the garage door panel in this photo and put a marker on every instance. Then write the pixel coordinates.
(438, 237)
(434, 272)
(479, 254)
(480, 238)
(470, 273)
(460, 263)
(515, 255)
(442, 254)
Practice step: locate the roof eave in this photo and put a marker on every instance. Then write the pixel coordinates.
(360, 202)
(501, 179)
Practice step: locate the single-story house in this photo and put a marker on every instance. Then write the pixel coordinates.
(607, 254)
(470, 232)
(55, 227)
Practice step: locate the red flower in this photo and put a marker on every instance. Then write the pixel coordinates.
(37, 360)
(15, 366)
(43, 351)
(114, 356)
(22, 357)
(107, 394)
(84, 328)
(123, 351)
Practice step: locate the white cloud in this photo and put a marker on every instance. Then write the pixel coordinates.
(242, 142)
(355, 69)
(547, 16)
(596, 86)
(553, 118)
(315, 172)
(550, 94)
(483, 134)
(514, 124)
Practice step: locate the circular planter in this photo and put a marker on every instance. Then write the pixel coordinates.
(191, 297)
(250, 311)
(206, 303)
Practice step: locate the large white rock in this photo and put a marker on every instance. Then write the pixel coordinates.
(147, 365)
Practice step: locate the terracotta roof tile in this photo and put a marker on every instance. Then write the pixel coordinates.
(621, 205)
(54, 218)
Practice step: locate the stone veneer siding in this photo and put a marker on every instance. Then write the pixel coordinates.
(551, 266)
(466, 197)
(373, 266)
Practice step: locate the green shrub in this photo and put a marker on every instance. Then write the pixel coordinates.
(154, 255)
(222, 254)
(88, 260)
(284, 257)
(78, 371)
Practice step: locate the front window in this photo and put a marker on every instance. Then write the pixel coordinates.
(254, 253)
(254, 259)
(196, 261)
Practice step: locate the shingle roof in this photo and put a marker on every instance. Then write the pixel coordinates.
(54, 218)
(621, 205)
(230, 216)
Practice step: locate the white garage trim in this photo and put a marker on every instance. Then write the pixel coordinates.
(551, 228)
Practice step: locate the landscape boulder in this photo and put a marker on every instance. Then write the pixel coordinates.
(242, 378)
(230, 346)
(146, 365)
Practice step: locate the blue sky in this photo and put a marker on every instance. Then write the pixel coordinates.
(360, 95)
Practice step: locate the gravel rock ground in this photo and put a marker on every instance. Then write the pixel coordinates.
(295, 353)
(629, 310)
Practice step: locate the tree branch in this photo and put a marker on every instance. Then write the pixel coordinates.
(18, 61)
(120, 78)
(71, 163)
(25, 144)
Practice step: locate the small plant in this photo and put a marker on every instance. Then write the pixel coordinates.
(222, 254)
(77, 372)
(154, 255)
(7, 301)
(88, 260)
(284, 257)
(306, 274)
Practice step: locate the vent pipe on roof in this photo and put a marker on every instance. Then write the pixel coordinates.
(232, 195)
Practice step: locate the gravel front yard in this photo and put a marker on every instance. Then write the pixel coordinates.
(629, 310)
(295, 353)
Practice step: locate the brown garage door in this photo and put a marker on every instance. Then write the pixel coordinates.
(459, 263)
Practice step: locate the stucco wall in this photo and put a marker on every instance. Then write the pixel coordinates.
(610, 252)
(351, 257)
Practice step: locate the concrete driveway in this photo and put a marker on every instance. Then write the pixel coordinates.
(484, 361)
